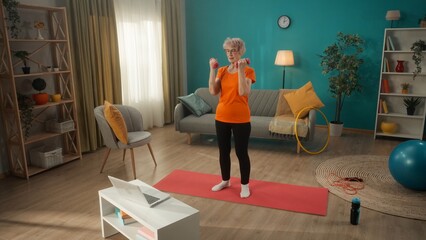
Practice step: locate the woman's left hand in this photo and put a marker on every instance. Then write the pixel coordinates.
(242, 63)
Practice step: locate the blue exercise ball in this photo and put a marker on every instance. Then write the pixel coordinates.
(407, 164)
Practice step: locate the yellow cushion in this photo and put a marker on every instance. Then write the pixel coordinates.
(282, 106)
(302, 98)
(116, 121)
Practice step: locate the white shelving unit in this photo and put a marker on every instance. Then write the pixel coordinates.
(171, 219)
(409, 126)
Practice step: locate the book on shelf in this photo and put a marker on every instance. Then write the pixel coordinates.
(124, 217)
(146, 233)
(387, 48)
(380, 110)
(391, 46)
(386, 66)
(140, 237)
(385, 107)
(385, 86)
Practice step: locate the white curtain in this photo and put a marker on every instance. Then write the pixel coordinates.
(139, 40)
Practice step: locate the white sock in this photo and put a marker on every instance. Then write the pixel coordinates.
(220, 186)
(245, 191)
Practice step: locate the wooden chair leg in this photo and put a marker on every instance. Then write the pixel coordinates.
(133, 162)
(152, 154)
(105, 159)
(124, 154)
(189, 138)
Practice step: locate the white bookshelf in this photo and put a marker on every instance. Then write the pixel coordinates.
(409, 126)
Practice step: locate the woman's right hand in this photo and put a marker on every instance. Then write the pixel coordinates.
(214, 64)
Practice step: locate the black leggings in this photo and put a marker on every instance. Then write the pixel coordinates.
(241, 132)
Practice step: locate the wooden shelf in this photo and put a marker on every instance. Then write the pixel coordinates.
(422, 95)
(396, 135)
(53, 51)
(39, 41)
(403, 73)
(397, 115)
(37, 74)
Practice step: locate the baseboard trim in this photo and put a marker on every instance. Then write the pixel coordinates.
(355, 130)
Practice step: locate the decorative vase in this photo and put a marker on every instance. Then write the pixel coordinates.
(39, 36)
(411, 110)
(56, 97)
(389, 127)
(41, 98)
(336, 129)
(399, 66)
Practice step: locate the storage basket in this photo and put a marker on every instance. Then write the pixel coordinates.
(56, 126)
(46, 157)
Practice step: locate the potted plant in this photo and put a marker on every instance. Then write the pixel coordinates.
(341, 61)
(13, 17)
(405, 87)
(411, 104)
(40, 98)
(23, 55)
(417, 48)
(26, 105)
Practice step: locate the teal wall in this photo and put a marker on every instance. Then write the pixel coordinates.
(314, 27)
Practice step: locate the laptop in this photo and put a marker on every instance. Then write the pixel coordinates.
(144, 195)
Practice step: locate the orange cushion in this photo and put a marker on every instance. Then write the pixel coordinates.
(302, 98)
(116, 121)
(282, 105)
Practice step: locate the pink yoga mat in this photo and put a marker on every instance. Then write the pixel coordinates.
(312, 200)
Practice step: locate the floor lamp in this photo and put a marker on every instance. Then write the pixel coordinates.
(284, 58)
(393, 15)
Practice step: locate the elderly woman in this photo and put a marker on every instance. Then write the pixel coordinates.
(233, 83)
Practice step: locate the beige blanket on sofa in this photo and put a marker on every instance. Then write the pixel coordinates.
(284, 120)
(284, 125)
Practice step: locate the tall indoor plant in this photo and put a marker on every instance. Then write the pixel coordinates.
(341, 62)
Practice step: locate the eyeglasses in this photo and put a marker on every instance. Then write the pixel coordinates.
(233, 51)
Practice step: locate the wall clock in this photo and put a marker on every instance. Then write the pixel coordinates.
(284, 21)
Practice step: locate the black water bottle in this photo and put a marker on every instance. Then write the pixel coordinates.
(355, 211)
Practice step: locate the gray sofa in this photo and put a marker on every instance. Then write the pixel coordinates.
(263, 105)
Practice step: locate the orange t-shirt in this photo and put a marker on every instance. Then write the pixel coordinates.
(232, 107)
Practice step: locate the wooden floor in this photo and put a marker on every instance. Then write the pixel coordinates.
(63, 203)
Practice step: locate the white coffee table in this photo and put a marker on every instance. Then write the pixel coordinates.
(171, 219)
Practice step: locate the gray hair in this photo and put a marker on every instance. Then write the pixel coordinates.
(236, 43)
